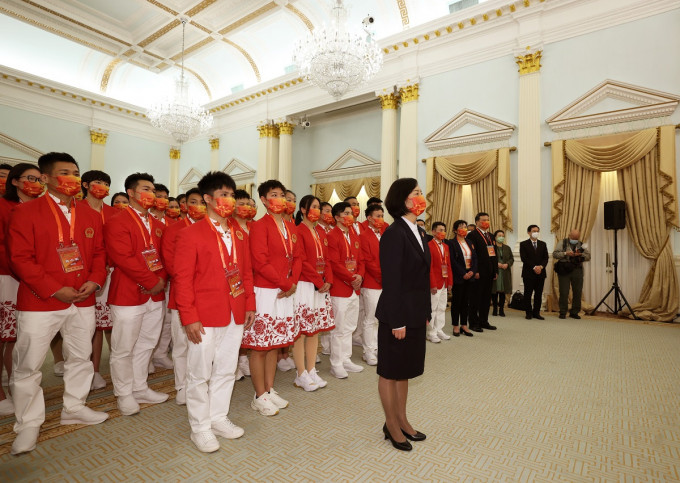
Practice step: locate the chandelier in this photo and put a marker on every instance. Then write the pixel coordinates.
(179, 115)
(337, 59)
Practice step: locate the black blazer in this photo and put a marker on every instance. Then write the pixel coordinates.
(405, 267)
(458, 261)
(487, 266)
(531, 258)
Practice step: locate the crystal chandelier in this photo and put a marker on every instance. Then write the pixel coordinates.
(337, 59)
(179, 115)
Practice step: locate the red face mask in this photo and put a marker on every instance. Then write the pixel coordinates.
(3, 185)
(196, 212)
(462, 232)
(253, 213)
(161, 204)
(440, 235)
(146, 199)
(99, 191)
(328, 219)
(32, 189)
(68, 185)
(313, 214)
(348, 220)
(243, 211)
(484, 225)
(224, 207)
(419, 205)
(276, 205)
(121, 206)
(290, 207)
(355, 211)
(172, 213)
(378, 223)
(183, 208)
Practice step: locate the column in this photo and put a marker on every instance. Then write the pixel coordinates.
(98, 150)
(286, 153)
(214, 154)
(408, 131)
(388, 141)
(268, 152)
(174, 171)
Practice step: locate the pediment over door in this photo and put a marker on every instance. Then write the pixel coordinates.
(613, 102)
(241, 172)
(15, 151)
(190, 180)
(469, 127)
(352, 164)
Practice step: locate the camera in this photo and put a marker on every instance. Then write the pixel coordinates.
(306, 123)
(368, 20)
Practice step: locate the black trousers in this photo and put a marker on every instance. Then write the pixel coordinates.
(460, 302)
(533, 286)
(481, 301)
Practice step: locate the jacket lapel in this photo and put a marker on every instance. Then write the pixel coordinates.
(412, 238)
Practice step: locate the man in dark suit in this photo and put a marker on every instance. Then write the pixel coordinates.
(534, 254)
(487, 265)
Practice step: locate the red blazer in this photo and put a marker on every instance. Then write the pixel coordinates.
(124, 247)
(32, 241)
(364, 226)
(337, 251)
(6, 208)
(168, 245)
(268, 255)
(436, 279)
(202, 290)
(308, 249)
(107, 212)
(370, 252)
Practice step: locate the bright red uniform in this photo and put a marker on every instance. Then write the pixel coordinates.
(344, 255)
(440, 265)
(370, 253)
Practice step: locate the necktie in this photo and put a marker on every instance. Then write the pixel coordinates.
(534, 245)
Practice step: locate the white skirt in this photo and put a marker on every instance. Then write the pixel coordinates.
(8, 308)
(313, 310)
(102, 312)
(275, 325)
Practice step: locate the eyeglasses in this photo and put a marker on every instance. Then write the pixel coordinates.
(32, 179)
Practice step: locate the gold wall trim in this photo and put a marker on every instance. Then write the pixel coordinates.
(199, 7)
(248, 18)
(214, 144)
(174, 153)
(98, 137)
(529, 63)
(163, 7)
(255, 95)
(248, 57)
(286, 128)
(192, 49)
(200, 79)
(159, 33)
(200, 27)
(409, 93)
(268, 131)
(403, 11)
(301, 16)
(389, 101)
(107, 74)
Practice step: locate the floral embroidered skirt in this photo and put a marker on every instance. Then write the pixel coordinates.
(313, 310)
(275, 324)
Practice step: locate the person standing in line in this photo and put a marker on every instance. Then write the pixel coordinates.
(464, 267)
(570, 255)
(503, 284)
(120, 201)
(172, 212)
(487, 265)
(534, 255)
(372, 285)
(324, 226)
(441, 282)
(285, 363)
(243, 216)
(404, 309)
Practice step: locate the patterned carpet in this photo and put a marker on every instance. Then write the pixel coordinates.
(559, 400)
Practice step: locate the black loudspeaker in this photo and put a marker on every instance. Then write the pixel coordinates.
(615, 215)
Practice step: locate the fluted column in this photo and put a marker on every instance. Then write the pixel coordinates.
(174, 171)
(98, 149)
(388, 141)
(408, 132)
(214, 154)
(286, 153)
(268, 152)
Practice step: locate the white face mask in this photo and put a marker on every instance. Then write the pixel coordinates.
(534, 235)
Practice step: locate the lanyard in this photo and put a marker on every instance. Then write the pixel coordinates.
(344, 238)
(53, 207)
(317, 243)
(287, 247)
(484, 235)
(141, 230)
(440, 249)
(220, 242)
(467, 253)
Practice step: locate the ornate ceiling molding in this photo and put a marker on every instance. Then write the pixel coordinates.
(305, 20)
(403, 13)
(490, 130)
(200, 79)
(248, 57)
(104, 84)
(240, 172)
(19, 146)
(337, 170)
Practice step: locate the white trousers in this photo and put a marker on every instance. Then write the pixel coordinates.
(438, 312)
(134, 336)
(35, 331)
(166, 334)
(211, 372)
(325, 340)
(179, 350)
(358, 334)
(346, 310)
(370, 297)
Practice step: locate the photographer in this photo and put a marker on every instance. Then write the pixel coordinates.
(570, 254)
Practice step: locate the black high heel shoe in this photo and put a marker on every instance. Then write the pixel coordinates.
(403, 446)
(414, 437)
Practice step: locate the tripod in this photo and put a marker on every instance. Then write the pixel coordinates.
(618, 293)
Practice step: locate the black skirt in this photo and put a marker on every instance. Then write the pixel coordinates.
(401, 359)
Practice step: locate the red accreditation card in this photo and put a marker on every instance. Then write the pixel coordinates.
(153, 261)
(71, 261)
(235, 282)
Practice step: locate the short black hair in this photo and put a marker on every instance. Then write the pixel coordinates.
(171, 198)
(306, 203)
(372, 208)
(192, 191)
(181, 197)
(113, 198)
(395, 201)
(350, 198)
(495, 233)
(479, 215)
(437, 224)
(134, 179)
(6, 166)
(15, 172)
(93, 175)
(324, 204)
(531, 227)
(340, 207)
(373, 200)
(269, 185)
(420, 220)
(457, 223)
(241, 195)
(161, 187)
(47, 161)
(214, 181)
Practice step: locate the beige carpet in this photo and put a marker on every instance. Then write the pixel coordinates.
(559, 400)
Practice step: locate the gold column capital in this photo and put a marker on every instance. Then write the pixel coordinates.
(389, 101)
(214, 144)
(286, 127)
(98, 137)
(268, 131)
(530, 62)
(409, 93)
(174, 153)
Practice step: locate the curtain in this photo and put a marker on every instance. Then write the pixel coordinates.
(248, 187)
(346, 188)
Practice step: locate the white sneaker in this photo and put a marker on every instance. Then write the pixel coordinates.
(239, 373)
(227, 429)
(264, 406)
(205, 441)
(278, 401)
(352, 367)
(442, 335)
(340, 372)
(318, 358)
(59, 369)
(315, 376)
(434, 339)
(326, 352)
(152, 368)
(370, 359)
(244, 365)
(291, 363)
(25, 441)
(163, 362)
(127, 405)
(84, 415)
(98, 382)
(306, 382)
(181, 397)
(357, 342)
(6, 407)
(283, 365)
(149, 396)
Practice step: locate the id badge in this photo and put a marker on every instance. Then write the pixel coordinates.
(445, 271)
(71, 261)
(468, 263)
(153, 261)
(351, 265)
(492, 250)
(235, 282)
(320, 266)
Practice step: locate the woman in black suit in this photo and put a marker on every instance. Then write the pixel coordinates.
(464, 267)
(404, 308)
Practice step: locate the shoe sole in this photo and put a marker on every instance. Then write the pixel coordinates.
(222, 435)
(16, 453)
(206, 450)
(65, 422)
(254, 408)
(304, 388)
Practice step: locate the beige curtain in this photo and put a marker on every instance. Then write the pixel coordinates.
(645, 162)
(248, 187)
(488, 173)
(346, 188)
